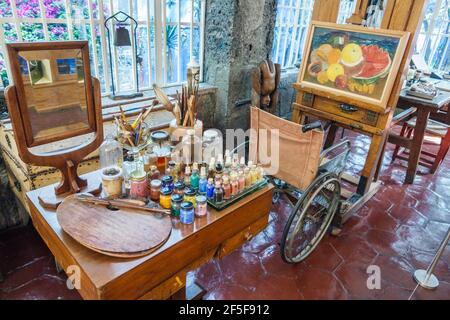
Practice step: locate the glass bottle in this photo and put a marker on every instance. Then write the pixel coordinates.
(248, 178)
(178, 187)
(241, 180)
(165, 198)
(187, 176)
(210, 189)
(235, 159)
(234, 185)
(127, 168)
(226, 188)
(194, 178)
(110, 153)
(170, 170)
(212, 168)
(153, 174)
(155, 187)
(167, 181)
(254, 174)
(203, 182)
(189, 195)
(218, 193)
(187, 212)
(177, 199)
(218, 169)
(242, 163)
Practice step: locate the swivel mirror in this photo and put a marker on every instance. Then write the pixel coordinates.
(55, 108)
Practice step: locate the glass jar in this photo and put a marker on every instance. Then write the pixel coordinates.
(189, 195)
(203, 181)
(165, 197)
(110, 153)
(154, 173)
(248, 178)
(210, 189)
(201, 206)
(177, 199)
(178, 187)
(226, 188)
(234, 186)
(254, 174)
(171, 170)
(127, 168)
(161, 148)
(167, 181)
(194, 178)
(187, 176)
(138, 187)
(155, 188)
(241, 180)
(187, 212)
(112, 182)
(218, 193)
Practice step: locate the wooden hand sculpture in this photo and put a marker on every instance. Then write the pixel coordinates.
(265, 81)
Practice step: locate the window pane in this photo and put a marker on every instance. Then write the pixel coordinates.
(185, 54)
(79, 9)
(142, 60)
(55, 9)
(171, 10)
(125, 68)
(171, 53)
(9, 32)
(5, 8)
(58, 31)
(3, 74)
(32, 31)
(28, 9)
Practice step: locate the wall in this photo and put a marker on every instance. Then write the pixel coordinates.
(238, 35)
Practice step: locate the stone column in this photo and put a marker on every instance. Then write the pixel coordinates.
(238, 35)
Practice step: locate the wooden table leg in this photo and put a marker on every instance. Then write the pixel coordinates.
(416, 145)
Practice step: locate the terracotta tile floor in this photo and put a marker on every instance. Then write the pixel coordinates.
(399, 230)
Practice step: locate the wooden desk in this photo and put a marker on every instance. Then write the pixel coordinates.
(423, 110)
(161, 274)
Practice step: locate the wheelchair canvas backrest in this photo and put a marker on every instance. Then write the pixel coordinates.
(283, 150)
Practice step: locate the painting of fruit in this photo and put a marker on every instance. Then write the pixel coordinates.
(344, 59)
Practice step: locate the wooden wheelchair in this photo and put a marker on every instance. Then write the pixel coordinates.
(309, 177)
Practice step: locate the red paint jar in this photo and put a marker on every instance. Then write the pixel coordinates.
(138, 187)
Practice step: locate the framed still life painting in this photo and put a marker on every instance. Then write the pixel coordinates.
(351, 64)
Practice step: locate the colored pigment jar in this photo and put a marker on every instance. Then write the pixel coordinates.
(167, 182)
(165, 197)
(187, 212)
(155, 188)
(201, 206)
(189, 195)
(138, 187)
(178, 187)
(177, 199)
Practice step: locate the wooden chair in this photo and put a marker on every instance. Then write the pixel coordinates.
(427, 159)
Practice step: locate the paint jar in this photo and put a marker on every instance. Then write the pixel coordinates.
(167, 181)
(241, 180)
(177, 199)
(178, 187)
(203, 182)
(155, 188)
(187, 212)
(138, 187)
(189, 195)
(194, 178)
(153, 174)
(112, 181)
(201, 208)
(248, 178)
(226, 188)
(210, 189)
(234, 185)
(165, 197)
(218, 193)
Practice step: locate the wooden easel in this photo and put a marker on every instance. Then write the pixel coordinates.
(403, 15)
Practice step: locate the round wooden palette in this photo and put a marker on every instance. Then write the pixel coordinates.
(123, 233)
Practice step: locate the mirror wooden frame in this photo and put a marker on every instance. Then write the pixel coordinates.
(66, 160)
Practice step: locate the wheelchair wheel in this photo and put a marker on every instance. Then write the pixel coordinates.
(310, 218)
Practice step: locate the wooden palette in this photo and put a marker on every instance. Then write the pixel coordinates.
(125, 233)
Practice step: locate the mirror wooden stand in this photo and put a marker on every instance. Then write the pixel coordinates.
(54, 99)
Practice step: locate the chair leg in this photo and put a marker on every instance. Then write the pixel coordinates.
(443, 149)
(397, 147)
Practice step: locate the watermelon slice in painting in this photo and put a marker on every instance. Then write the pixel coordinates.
(376, 64)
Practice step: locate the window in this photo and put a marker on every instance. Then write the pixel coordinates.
(291, 27)
(169, 32)
(433, 40)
